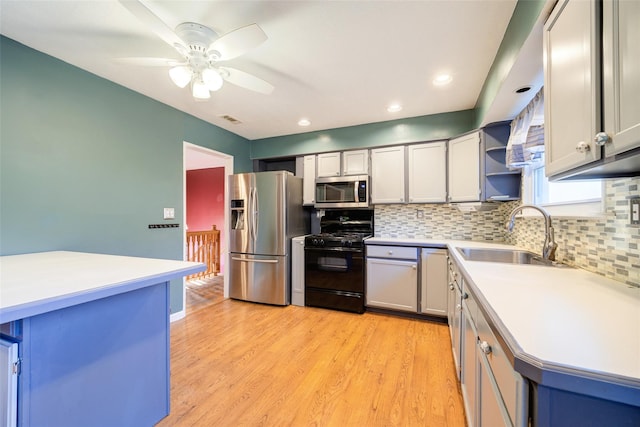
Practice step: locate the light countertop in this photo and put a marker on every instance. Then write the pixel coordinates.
(559, 317)
(36, 283)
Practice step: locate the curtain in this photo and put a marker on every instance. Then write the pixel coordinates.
(526, 140)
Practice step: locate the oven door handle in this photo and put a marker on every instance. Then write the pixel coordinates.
(339, 249)
(340, 268)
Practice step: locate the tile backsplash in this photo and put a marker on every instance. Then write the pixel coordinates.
(607, 245)
(440, 222)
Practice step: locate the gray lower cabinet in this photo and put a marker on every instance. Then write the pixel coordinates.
(469, 373)
(407, 279)
(454, 315)
(8, 383)
(494, 393)
(433, 282)
(490, 409)
(392, 278)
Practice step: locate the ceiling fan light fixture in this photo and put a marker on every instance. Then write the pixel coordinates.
(181, 75)
(199, 90)
(212, 79)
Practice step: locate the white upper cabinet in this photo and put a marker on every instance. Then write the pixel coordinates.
(309, 180)
(355, 162)
(571, 84)
(584, 83)
(427, 179)
(328, 164)
(464, 168)
(387, 175)
(621, 73)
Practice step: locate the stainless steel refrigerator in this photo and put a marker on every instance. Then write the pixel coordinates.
(266, 212)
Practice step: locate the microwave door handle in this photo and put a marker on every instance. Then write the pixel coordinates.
(355, 190)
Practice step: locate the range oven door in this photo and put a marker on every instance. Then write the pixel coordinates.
(334, 269)
(334, 278)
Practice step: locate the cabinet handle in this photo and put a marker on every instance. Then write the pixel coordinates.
(485, 347)
(601, 139)
(582, 147)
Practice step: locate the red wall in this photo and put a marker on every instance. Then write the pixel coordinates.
(205, 200)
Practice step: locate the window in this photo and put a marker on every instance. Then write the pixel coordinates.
(526, 150)
(567, 198)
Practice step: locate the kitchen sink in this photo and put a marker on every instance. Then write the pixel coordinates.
(508, 256)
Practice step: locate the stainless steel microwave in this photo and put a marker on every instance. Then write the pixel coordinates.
(342, 192)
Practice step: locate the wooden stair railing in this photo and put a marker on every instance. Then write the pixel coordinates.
(204, 247)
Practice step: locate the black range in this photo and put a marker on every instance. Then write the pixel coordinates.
(334, 260)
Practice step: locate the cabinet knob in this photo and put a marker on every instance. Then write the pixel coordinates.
(459, 307)
(465, 295)
(485, 347)
(582, 147)
(601, 139)
(390, 252)
(451, 286)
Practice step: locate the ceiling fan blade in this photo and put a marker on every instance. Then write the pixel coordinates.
(149, 62)
(237, 42)
(154, 23)
(246, 80)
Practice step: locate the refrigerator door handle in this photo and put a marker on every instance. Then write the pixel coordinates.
(250, 221)
(255, 216)
(264, 261)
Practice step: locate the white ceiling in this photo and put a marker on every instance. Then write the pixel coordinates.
(337, 63)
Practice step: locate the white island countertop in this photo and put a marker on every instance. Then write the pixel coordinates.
(557, 319)
(37, 283)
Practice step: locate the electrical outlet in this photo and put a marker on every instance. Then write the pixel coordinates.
(169, 213)
(634, 215)
(419, 214)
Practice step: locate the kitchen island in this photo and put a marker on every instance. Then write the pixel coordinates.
(574, 335)
(93, 336)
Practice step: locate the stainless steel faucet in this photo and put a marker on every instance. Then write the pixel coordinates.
(549, 248)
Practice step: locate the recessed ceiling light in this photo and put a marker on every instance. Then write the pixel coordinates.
(442, 79)
(304, 122)
(394, 108)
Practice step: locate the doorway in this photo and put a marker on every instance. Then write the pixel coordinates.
(198, 158)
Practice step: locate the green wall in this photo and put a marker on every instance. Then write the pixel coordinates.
(416, 129)
(86, 164)
(524, 17)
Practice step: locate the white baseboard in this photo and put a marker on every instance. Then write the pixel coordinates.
(177, 316)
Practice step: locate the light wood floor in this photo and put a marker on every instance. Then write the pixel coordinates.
(236, 363)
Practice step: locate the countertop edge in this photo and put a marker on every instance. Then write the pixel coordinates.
(44, 305)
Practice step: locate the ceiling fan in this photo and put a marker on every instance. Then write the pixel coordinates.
(201, 50)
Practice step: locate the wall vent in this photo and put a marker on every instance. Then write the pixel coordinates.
(231, 119)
